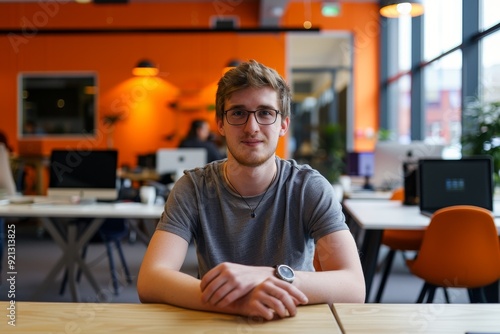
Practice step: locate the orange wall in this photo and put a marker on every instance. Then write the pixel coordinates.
(188, 63)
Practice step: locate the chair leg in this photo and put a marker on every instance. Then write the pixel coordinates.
(388, 264)
(63, 283)
(423, 292)
(446, 295)
(431, 293)
(128, 277)
(79, 272)
(112, 268)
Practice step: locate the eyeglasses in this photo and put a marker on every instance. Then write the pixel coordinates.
(265, 116)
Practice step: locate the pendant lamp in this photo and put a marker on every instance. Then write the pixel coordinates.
(398, 8)
(145, 68)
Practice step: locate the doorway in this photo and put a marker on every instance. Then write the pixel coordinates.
(320, 71)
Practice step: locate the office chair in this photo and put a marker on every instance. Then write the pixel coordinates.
(460, 249)
(397, 240)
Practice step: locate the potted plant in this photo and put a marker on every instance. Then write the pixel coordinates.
(329, 160)
(332, 142)
(481, 132)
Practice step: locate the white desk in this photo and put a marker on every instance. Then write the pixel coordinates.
(367, 194)
(374, 216)
(70, 242)
(418, 318)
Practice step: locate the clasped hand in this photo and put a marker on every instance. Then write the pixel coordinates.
(252, 291)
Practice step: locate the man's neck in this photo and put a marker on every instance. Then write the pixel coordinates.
(250, 181)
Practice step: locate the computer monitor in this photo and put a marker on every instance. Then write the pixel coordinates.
(360, 163)
(390, 156)
(176, 160)
(88, 174)
(466, 181)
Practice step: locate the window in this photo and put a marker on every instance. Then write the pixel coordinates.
(442, 26)
(400, 119)
(443, 99)
(490, 13)
(490, 49)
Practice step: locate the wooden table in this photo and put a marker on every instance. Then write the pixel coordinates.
(33, 317)
(418, 318)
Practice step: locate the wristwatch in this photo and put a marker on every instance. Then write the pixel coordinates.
(284, 272)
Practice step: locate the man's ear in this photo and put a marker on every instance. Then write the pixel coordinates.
(284, 126)
(220, 127)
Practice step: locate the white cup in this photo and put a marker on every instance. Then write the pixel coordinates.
(148, 195)
(345, 181)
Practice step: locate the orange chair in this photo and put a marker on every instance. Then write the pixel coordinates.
(397, 240)
(460, 249)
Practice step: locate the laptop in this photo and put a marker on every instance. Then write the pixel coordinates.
(176, 160)
(466, 181)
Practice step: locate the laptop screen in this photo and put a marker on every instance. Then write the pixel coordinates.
(176, 160)
(468, 181)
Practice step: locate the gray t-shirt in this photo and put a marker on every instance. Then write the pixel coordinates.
(298, 209)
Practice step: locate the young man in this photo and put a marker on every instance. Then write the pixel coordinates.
(249, 215)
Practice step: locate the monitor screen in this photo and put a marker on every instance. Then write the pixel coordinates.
(467, 181)
(176, 160)
(390, 156)
(360, 163)
(89, 174)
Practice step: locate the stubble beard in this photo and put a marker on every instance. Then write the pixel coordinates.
(254, 159)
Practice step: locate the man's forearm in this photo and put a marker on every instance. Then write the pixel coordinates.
(330, 286)
(175, 288)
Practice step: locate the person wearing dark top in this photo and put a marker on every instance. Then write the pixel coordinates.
(198, 136)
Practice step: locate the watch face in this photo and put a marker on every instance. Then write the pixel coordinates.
(286, 273)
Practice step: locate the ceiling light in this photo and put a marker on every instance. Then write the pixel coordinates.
(398, 8)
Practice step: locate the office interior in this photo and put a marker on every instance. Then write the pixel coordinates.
(366, 78)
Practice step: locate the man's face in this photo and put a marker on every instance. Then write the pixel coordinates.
(252, 144)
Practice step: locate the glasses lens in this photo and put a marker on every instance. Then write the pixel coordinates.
(237, 116)
(266, 116)
(240, 116)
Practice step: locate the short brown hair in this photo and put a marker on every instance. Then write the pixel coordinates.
(256, 75)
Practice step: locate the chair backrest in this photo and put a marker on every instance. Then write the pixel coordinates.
(398, 194)
(460, 248)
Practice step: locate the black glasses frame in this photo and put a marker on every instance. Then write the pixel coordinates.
(254, 115)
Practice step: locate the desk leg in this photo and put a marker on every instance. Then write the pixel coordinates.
(71, 247)
(369, 256)
(70, 264)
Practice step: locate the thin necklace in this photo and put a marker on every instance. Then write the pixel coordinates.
(252, 213)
